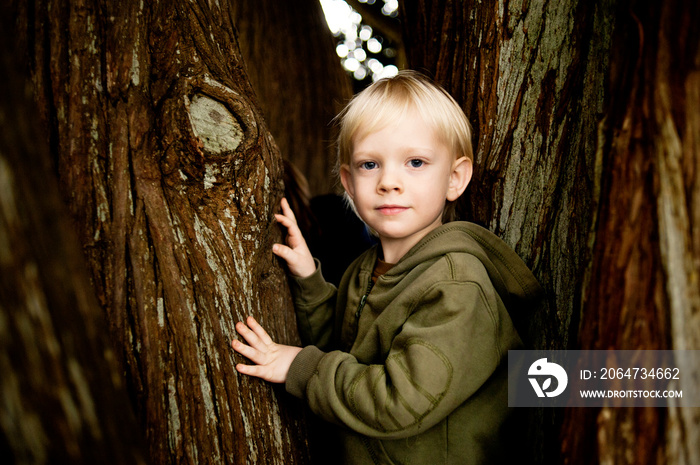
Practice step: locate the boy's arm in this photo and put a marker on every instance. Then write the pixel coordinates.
(272, 360)
(446, 350)
(314, 298)
(314, 305)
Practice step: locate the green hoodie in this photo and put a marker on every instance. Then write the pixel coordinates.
(413, 368)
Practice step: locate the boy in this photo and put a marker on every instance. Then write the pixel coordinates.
(408, 353)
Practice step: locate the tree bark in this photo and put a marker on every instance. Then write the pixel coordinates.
(62, 397)
(642, 291)
(172, 178)
(526, 80)
(529, 76)
(298, 80)
(594, 185)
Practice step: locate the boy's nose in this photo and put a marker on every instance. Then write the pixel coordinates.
(389, 182)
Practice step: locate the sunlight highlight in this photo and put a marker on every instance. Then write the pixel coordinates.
(358, 41)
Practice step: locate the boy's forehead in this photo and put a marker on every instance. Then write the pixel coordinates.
(374, 125)
(378, 122)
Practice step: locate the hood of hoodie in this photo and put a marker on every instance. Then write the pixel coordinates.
(510, 276)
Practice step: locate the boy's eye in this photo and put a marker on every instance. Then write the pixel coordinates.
(415, 163)
(368, 165)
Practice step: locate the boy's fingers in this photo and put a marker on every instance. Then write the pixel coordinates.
(287, 210)
(289, 223)
(242, 368)
(259, 331)
(250, 370)
(282, 251)
(282, 219)
(246, 351)
(286, 221)
(250, 337)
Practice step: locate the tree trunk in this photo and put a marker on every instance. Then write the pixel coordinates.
(599, 197)
(642, 291)
(298, 79)
(529, 76)
(62, 397)
(172, 179)
(526, 80)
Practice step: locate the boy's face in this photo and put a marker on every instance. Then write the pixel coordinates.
(399, 179)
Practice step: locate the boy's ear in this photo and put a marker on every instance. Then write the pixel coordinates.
(459, 178)
(346, 180)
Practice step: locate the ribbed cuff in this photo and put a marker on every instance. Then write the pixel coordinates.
(302, 369)
(308, 288)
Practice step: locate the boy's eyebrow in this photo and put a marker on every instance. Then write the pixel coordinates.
(407, 150)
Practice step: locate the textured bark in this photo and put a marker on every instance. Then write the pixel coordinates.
(594, 185)
(524, 76)
(530, 77)
(643, 290)
(298, 79)
(171, 177)
(62, 398)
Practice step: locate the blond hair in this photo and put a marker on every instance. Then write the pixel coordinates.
(390, 99)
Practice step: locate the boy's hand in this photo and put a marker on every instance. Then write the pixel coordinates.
(272, 361)
(296, 252)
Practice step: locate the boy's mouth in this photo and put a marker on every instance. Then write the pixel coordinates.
(390, 210)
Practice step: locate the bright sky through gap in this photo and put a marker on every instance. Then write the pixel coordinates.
(346, 24)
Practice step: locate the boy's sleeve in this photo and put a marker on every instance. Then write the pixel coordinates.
(314, 304)
(449, 346)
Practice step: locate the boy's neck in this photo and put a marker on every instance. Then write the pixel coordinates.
(393, 250)
(391, 253)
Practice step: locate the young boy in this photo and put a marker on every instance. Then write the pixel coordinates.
(407, 355)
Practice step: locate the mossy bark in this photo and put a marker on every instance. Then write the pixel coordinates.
(171, 177)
